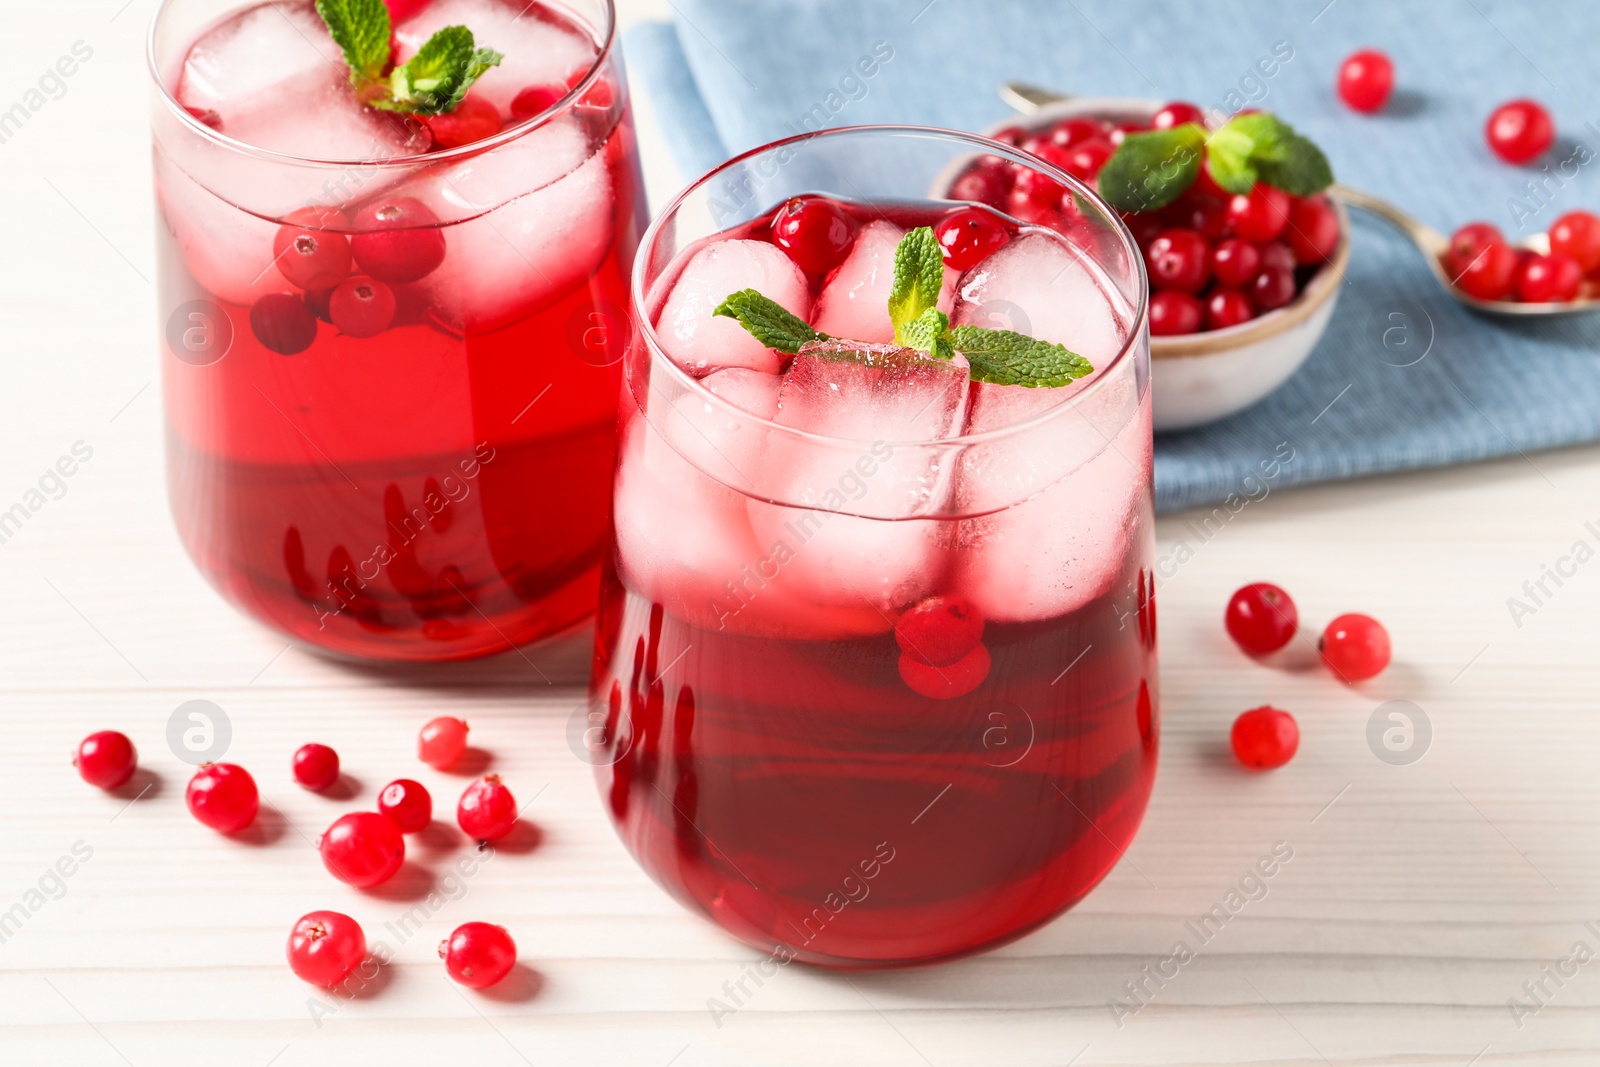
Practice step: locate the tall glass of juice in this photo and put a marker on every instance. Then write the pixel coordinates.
(875, 675)
(391, 341)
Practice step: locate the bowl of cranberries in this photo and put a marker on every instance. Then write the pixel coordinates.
(1242, 285)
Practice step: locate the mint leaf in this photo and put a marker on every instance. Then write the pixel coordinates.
(435, 80)
(1149, 170)
(1002, 357)
(928, 333)
(361, 30)
(768, 321)
(918, 277)
(1262, 147)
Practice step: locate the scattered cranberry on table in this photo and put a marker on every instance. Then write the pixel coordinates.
(407, 804)
(442, 741)
(478, 955)
(1265, 737)
(1366, 79)
(105, 759)
(1519, 131)
(316, 766)
(325, 946)
(487, 811)
(1261, 618)
(362, 849)
(223, 796)
(1355, 647)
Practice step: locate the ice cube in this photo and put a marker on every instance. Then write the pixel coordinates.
(259, 56)
(684, 541)
(1043, 286)
(536, 246)
(855, 301)
(699, 341)
(538, 51)
(1057, 551)
(722, 443)
(850, 505)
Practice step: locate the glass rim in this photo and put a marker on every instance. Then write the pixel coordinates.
(988, 146)
(559, 107)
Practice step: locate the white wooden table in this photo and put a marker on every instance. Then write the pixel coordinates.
(1419, 901)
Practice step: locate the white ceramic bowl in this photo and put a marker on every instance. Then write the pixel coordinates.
(1202, 377)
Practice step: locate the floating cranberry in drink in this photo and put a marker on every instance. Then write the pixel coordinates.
(391, 321)
(875, 675)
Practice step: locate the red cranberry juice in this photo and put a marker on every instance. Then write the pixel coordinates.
(821, 798)
(436, 490)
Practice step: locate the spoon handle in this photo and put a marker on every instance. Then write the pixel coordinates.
(1421, 234)
(1028, 98)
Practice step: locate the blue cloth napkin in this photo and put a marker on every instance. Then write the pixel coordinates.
(1404, 377)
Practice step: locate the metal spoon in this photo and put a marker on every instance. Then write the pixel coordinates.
(1028, 99)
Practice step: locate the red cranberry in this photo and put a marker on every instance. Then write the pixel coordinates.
(949, 681)
(1011, 135)
(478, 954)
(1085, 158)
(362, 849)
(1069, 132)
(283, 324)
(1035, 194)
(1176, 114)
(473, 120)
(487, 810)
(1205, 214)
(1548, 279)
(1260, 215)
(816, 233)
(401, 10)
(316, 766)
(442, 741)
(1235, 262)
(1264, 738)
(535, 100)
(1272, 288)
(1179, 259)
(1519, 131)
(1577, 234)
(1313, 232)
(223, 796)
(1355, 646)
(968, 236)
(105, 759)
(1366, 79)
(407, 804)
(1261, 618)
(1227, 307)
(940, 630)
(981, 185)
(1468, 243)
(1480, 263)
(1276, 254)
(1145, 227)
(1173, 312)
(362, 307)
(307, 250)
(325, 946)
(398, 240)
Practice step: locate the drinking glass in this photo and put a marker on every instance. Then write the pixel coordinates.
(434, 484)
(769, 742)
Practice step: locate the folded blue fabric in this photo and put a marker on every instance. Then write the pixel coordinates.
(1405, 377)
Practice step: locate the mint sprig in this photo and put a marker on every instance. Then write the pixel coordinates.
(1150, 170)
(1000, 357)
(769, 321)
(432, 82)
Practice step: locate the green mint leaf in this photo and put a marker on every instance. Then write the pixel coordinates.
(928, 333)
(361, 30)
(436, 79)
(768, 321)
(1262, 147)
(1149, 170)
(1002, 357)
(918, 277)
